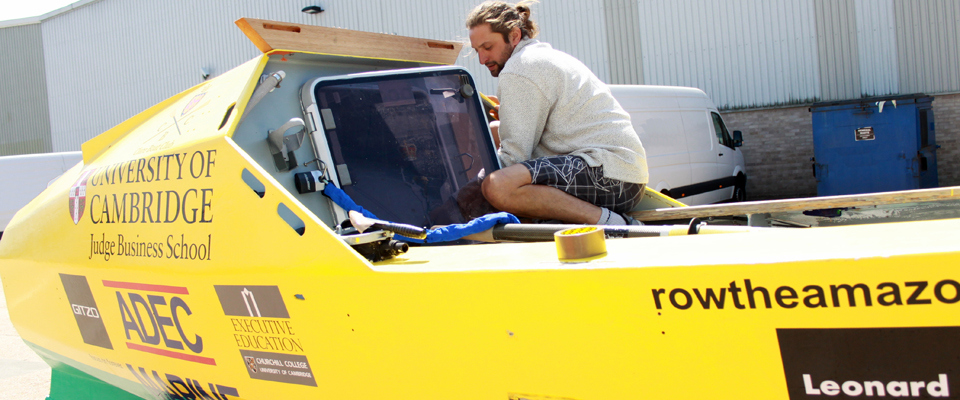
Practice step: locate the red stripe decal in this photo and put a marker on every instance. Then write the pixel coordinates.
(146, 287)
(171, 354)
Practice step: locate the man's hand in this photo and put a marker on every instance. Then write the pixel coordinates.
(495, 124)
(493, 104)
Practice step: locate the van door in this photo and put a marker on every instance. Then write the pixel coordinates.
(655, 115)
(703, 158)
(726, 159)
(660, 133)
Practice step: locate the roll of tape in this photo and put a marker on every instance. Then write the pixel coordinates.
(580, 243)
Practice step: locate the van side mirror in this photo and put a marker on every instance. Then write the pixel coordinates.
(737, 138)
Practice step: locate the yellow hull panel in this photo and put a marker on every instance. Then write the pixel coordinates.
(481, 321)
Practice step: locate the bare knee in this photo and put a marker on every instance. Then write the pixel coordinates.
(501, 188)
(495, 190)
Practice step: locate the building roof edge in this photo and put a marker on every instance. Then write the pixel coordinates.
(40, 18)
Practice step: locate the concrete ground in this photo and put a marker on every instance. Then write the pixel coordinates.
(23, 376)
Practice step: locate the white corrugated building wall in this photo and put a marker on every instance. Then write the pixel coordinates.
(763, 61)
(24, 117)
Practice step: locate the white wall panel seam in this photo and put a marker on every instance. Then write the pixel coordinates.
(684, 45)
(917, 32)
(923, 21)
(704, 62)
(837, 65)
(852, 54)
(917, 41)
(951, 36)
(630, 65)
(810, 46)
(637, 57)
(910, 33)
(740, 7)
(626, 57)
(665, 53)
(647, 38)
(761, 10)
(840, 49)
(828, 68)
(936, 22)
(727, 46)
(773, 51)
(954, 43)
(877, 47)
(24, 121)
(944, 31)
(700, 52)
(903, 51)
(612, 37)
(743, 47)
(927, 36)
(659, 28)
(675, 47)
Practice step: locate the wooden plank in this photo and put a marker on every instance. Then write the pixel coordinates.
(270, 36)
(796, 205)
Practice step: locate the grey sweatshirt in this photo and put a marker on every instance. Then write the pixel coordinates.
(552, 104)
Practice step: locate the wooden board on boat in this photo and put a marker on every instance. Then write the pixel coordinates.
(799, 205)
(269, 36)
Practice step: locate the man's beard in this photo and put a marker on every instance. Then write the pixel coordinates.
(505, 55)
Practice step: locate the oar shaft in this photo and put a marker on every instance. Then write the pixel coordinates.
(545, 232)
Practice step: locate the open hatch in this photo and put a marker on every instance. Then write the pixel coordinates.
(402, 144)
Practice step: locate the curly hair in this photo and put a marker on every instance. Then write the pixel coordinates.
(503, 17)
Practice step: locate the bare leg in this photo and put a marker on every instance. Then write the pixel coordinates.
(511, 190)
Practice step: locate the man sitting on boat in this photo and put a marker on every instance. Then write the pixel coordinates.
(568, 150)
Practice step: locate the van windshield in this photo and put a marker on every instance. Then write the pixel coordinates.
(405, 145)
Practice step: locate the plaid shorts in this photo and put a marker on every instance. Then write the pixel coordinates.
(571, 174)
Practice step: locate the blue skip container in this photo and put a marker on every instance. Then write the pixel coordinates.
(875, 144)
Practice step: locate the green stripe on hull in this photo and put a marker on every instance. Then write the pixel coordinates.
(70, 383)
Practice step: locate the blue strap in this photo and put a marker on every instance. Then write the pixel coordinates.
(448, 233)
(343, 200)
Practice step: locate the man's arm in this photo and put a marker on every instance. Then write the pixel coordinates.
(523, 115)
(495, 132)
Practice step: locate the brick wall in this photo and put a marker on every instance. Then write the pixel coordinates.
(778, 145)
(946, 114)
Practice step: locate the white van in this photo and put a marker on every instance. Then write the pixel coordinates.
(690, 154)
(23, 177)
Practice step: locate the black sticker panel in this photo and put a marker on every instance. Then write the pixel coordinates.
(277, 367)
(252, 301)
(85, 310)
(871, 362)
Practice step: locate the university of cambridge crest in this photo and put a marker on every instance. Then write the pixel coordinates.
(78, 196)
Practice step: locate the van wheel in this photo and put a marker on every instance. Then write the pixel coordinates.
(739, 193)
